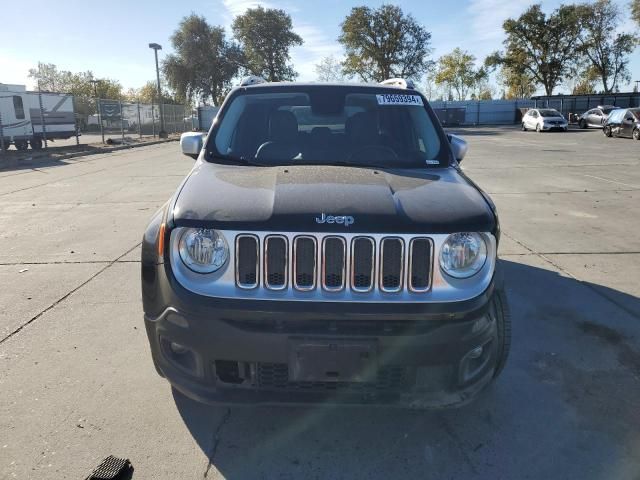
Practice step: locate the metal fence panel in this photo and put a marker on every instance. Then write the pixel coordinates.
(578, 104)
(484, 112)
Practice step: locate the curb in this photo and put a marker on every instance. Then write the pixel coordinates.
(48, 156)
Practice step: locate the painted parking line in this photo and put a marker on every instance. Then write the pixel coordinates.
(612, 181)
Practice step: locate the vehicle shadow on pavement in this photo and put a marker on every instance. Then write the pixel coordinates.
(564, 407)
(13, 160)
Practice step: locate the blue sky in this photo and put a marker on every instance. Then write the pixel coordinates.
(111, 40)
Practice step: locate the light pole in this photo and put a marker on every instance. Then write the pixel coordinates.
(162, 133)
(95, 83)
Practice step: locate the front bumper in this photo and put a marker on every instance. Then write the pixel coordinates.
(238, 351)
(561, 127)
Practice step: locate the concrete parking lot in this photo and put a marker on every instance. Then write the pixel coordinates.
(77, 382)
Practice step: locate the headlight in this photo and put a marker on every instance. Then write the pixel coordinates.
(463, 254)
(203, 250)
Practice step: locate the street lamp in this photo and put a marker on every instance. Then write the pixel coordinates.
(156, 47)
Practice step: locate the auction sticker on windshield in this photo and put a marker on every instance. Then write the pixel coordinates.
(399, 99)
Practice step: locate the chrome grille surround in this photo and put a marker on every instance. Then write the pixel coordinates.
(381, 274)
(285, 282)
(294, 257)
(372, 282)
(239, 283)
(331, 288)
(442, 288)
(410, 285)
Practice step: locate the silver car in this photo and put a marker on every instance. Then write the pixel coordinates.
(596, 117)
(544, 120)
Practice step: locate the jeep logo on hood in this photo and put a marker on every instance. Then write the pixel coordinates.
(345, 220)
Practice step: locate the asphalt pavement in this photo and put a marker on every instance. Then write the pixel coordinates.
(77, 382)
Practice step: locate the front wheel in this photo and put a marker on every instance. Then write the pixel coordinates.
(21, 145)
(607, 131)
(583, 125)
(500, 312)
(524, 129)
(636, 134)
(538, 128)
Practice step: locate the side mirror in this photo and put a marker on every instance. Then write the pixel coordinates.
(191, 143)
(458, 146)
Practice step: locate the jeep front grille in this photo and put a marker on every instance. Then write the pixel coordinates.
(333, 264)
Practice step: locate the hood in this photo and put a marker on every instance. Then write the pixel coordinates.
(294, 198)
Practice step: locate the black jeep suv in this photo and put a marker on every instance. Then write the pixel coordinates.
(326, 247)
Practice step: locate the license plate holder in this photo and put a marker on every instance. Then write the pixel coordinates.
(332, 360)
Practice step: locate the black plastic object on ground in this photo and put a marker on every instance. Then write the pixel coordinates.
(112, 468)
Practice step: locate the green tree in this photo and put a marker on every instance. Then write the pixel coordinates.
(50, 79)
(518, 82)
(81, 85)
(607, 51)
(457, 71)
(266, 36)
(204, 63)
(585, 81)
(329, 69)
(384, 43)
(148, 93)
(542, 45)
(635, 11)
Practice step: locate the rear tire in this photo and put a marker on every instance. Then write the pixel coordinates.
(524, 129)
(36, 143)
(538, 128)
(500, 311)
(583, 125)
(636, 134)
(21, 145)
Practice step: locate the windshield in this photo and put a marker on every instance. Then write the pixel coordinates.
(608, 110)
(328, 126)
(550, 112)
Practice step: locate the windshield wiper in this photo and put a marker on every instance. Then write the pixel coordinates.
(230, 160)
(356, 164)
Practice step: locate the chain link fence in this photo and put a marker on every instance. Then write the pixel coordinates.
(45, 120)
(115, 121)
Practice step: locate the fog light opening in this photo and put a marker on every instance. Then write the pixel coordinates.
(180, 355)
(476, 352)
(178, 349)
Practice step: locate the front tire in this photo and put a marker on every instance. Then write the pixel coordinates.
(21, 145)
(636, 134)
(583, 125)
(607, 131)
(500, 312)
(538, 129)
(524, 129)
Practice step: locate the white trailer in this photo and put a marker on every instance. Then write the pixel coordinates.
(21, 120)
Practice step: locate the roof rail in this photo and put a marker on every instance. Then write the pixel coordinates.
(251, 80)
(399, 82)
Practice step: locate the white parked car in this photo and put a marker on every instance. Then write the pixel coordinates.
(544, 120)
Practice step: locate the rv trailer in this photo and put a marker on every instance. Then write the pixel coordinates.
(24, 121)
